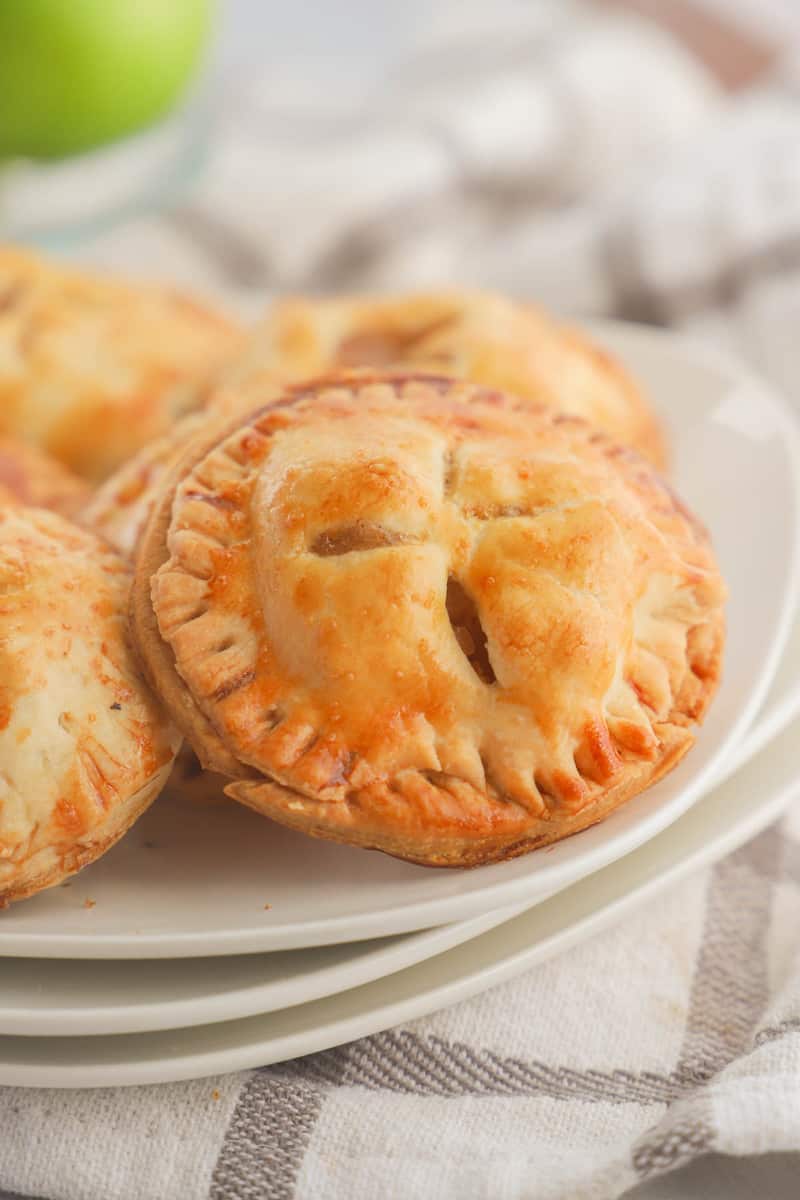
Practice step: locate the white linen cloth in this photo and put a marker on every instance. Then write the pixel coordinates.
(594, 165)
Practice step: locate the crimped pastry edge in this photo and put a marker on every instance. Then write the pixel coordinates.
(270, 796)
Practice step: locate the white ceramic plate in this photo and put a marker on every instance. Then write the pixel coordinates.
(781, 706)
(188, 883)
(46, 997)
(727, 817)
(60, 997)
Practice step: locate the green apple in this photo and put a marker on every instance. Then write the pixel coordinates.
(77, 73)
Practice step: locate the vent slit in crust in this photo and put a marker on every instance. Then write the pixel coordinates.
(361, 535)
(470, 634)
(226, 689)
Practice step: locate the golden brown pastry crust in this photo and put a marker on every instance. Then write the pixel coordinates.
(119, 508)
(415, 614)
(84, 746)
(155, 654)
(27, 476)
(91, 368)
(478, 336)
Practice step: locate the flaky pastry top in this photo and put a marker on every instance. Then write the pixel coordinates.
(478, 336)
(84, 746)
(118, 509)
(92, 368)
(418, 614)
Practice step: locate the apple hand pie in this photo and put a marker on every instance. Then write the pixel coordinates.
(478, 336)
(84, 746)
(414, 614)
(91, 368)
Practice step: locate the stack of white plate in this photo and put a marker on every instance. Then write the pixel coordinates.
(211, 940)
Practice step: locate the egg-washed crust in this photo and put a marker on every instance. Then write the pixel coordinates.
(155, 655)
(92, 368)
(50, 866)
(30, 477)
(119, 508)
(478, 336)
(84, 746)
(314, 586)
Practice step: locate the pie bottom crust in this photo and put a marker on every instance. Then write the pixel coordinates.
(334, 821)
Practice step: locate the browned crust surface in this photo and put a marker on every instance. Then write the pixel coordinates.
(477, 336)
(92, 368)
(446, 797)
(28, 476)
(84, 746)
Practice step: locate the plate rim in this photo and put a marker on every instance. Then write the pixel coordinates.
(398, 954)
(318, 1035)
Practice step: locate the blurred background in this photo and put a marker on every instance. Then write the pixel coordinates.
(639, 158)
